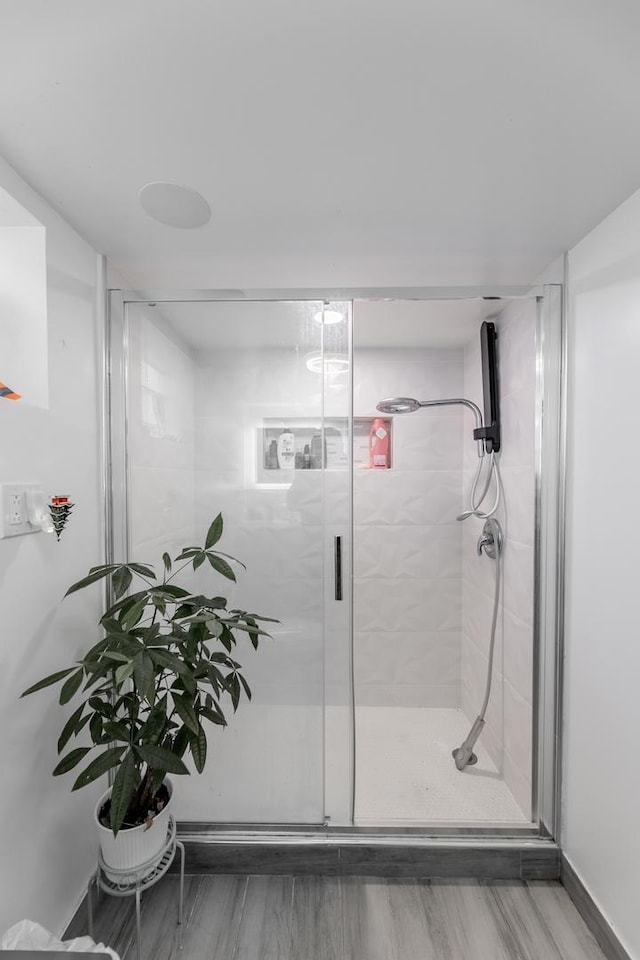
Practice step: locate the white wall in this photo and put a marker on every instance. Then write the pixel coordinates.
(601, 778)
(46, 835)
(23, 302)
(407, 544)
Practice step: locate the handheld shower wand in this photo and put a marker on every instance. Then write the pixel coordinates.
(491, 543)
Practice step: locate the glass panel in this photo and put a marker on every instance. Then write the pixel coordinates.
(337, 391)
(423, 598)
(225, 413)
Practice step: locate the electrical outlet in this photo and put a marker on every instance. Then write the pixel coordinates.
(16, 513)
(14, 516)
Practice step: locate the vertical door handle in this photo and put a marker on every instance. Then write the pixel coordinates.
(337, 565)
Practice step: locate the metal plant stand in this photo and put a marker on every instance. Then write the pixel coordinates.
(128, 882)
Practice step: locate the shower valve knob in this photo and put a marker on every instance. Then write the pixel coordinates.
(485, 542)
(490, 543)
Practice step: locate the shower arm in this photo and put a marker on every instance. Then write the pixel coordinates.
(475, 409)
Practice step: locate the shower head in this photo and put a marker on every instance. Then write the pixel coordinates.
(398, 405)
(409, 405)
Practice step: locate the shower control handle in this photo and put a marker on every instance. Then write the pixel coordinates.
(485, 542)
(490, 539)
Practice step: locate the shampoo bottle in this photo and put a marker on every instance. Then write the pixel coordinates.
(286, 452)
(379, 444)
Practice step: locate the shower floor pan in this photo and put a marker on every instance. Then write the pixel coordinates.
(405, 774)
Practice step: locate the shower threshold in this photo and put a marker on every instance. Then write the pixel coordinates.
(347, 851)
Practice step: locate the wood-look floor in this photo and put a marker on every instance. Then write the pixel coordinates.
(352, 918)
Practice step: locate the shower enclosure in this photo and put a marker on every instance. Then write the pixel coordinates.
(264, 408)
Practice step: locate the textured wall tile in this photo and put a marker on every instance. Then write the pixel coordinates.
(427, 441)
(518, 435)
(518, 579)
(407, 497)
(406, 605)
(518, 655)
(402, 552)
(519, 513)
(407, 695)
(407, 658)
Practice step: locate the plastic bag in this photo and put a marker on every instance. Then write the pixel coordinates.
(27, 935)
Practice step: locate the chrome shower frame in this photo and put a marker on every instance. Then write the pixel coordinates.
(549, 519)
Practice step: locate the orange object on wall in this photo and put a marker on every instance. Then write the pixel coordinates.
(379, 451)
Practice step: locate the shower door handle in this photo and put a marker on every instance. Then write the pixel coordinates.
(337, 566)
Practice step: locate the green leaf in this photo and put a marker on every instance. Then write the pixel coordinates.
(186, 712)
(214, 532)
(171, 591)
(198, 747)
(124, 785)
(214, 714)
(221, 553)
(155, 724)
(233, 686)
(123, 673)
(188, 553)
(95, 727)
(125, 603)
(246, 628)
(160, 758)
(48, 681)
(95, 574)
(100, 706)
(115, 655)
(247, 688)
(199, 560)
(169, 660)
(221, 566)
(181, 742)
(143, 569)
(214, 627)
(143, 674)
(97, 673)
(70, 761)
(133, 614)
(106, 761)
(121, 581)
(116, 730)
(166, 559)
(93, 654)
(71, 686)
(71, 726)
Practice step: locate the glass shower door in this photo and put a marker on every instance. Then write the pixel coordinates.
(243, 408)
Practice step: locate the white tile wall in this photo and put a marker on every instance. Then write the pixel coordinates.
(407, 544)
(507, 734)
(161, 445)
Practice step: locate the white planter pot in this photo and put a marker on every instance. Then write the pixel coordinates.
(137, 845)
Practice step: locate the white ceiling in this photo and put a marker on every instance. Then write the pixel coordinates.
(338, 142)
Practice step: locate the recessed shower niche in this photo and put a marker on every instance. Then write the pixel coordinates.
(315, 446)
(378, 665)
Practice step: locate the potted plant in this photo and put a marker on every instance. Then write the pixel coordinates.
(163, 667)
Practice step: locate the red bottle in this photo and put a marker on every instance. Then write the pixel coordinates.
(379, 444)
